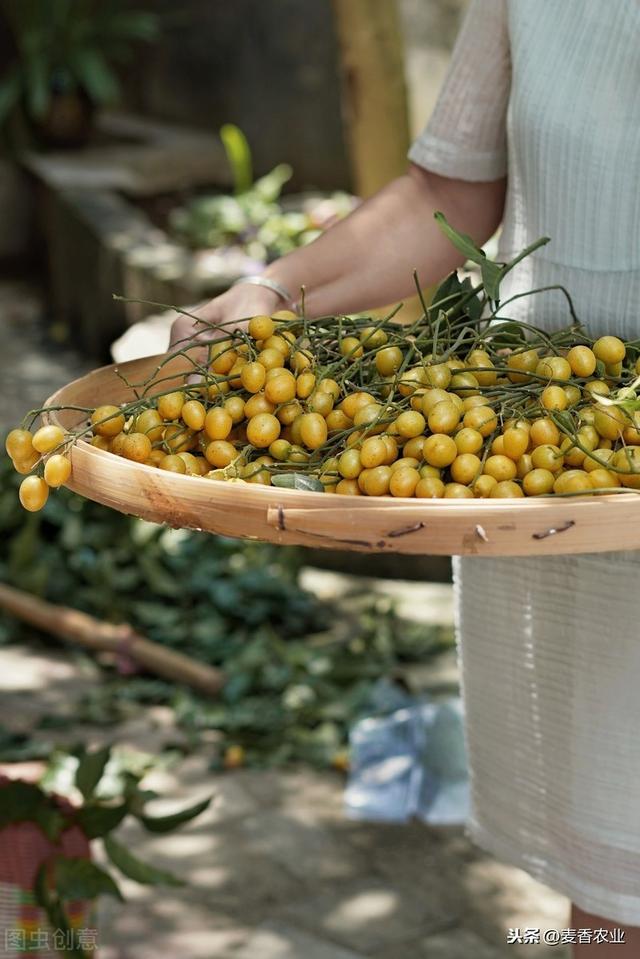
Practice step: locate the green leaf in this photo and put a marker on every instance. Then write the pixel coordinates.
(450, 288)
(473, 306)
(461, 241)
(507, 334)
(51, 821)
(238, 153)
(297, 481)
(161, 582)
(94, 75)
(130, 25)
(10, 91)
(49, 900)
(161, 824)
(491, 272)
(20, 801)
(38, 92)
(96, 821)
(135, 869)
(20, 747)
(90, 770)
(78, 878)
(491, 276)
(269, 187)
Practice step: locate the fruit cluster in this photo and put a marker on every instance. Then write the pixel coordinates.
(459, 404)
(355, 411)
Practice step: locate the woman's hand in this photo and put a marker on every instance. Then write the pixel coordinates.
(238, 303)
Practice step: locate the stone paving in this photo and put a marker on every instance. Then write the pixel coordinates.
(274, 869)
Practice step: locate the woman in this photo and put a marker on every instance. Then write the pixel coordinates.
(537, 126)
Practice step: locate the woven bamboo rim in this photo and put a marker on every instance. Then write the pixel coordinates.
(492, 527)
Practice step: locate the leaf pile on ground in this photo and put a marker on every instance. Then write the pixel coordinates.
(299, 671)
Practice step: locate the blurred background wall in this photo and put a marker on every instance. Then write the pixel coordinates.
(335, 88)
(270, 67)
(275, 65)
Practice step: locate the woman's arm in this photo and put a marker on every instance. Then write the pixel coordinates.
(368, 258)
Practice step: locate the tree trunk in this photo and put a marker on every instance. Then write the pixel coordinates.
(374, 90)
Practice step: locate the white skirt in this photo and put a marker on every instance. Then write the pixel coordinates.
(550, 657)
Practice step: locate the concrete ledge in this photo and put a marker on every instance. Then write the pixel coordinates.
(140, 157)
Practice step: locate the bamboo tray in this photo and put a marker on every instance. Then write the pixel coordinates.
(490, 527)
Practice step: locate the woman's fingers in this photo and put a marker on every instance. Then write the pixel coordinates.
(229, 310)
(187, 328)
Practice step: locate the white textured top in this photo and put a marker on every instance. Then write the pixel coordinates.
(548, 92)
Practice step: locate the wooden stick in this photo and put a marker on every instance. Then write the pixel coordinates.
(95, 634)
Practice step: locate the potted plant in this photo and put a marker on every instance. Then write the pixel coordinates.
(64, 65)
(255, 224)
(47, 874)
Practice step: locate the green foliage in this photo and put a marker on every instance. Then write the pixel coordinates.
(26, 801)
(19, 747)
(162, 824)
(298, 481)
(299, 671)
(133, 868)
(77, 878)
(238, 153)
(68, 46)
(62, 878)
(90, 771)
(201, 594)
(492, 272)
(254, 217)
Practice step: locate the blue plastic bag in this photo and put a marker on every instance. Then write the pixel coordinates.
(410, 764)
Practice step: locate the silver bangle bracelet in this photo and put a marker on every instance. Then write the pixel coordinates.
(268, 284)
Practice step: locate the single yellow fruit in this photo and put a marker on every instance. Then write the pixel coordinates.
(506, 489)
(537, 482)
(457, 491)
(440, 450)
(218, 423)
(261, 327)
(170, 405)
(582, 361)
(107, 421)
(388, 360)
(351, 348)
(150, 423)
(516, 442)
(465, 468)
(610, 421)
(193, 414)
(220, 453)
(19, 445)
(57, 470)
(483, 485)
(33, 493)
(429, 487)
(137, 447)
(411, 424)
(313, 430)
(403, 481)
(24, 466)
(263, 429)
(609, 349)
(47, 438)
(373, 452)
(305, 385)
